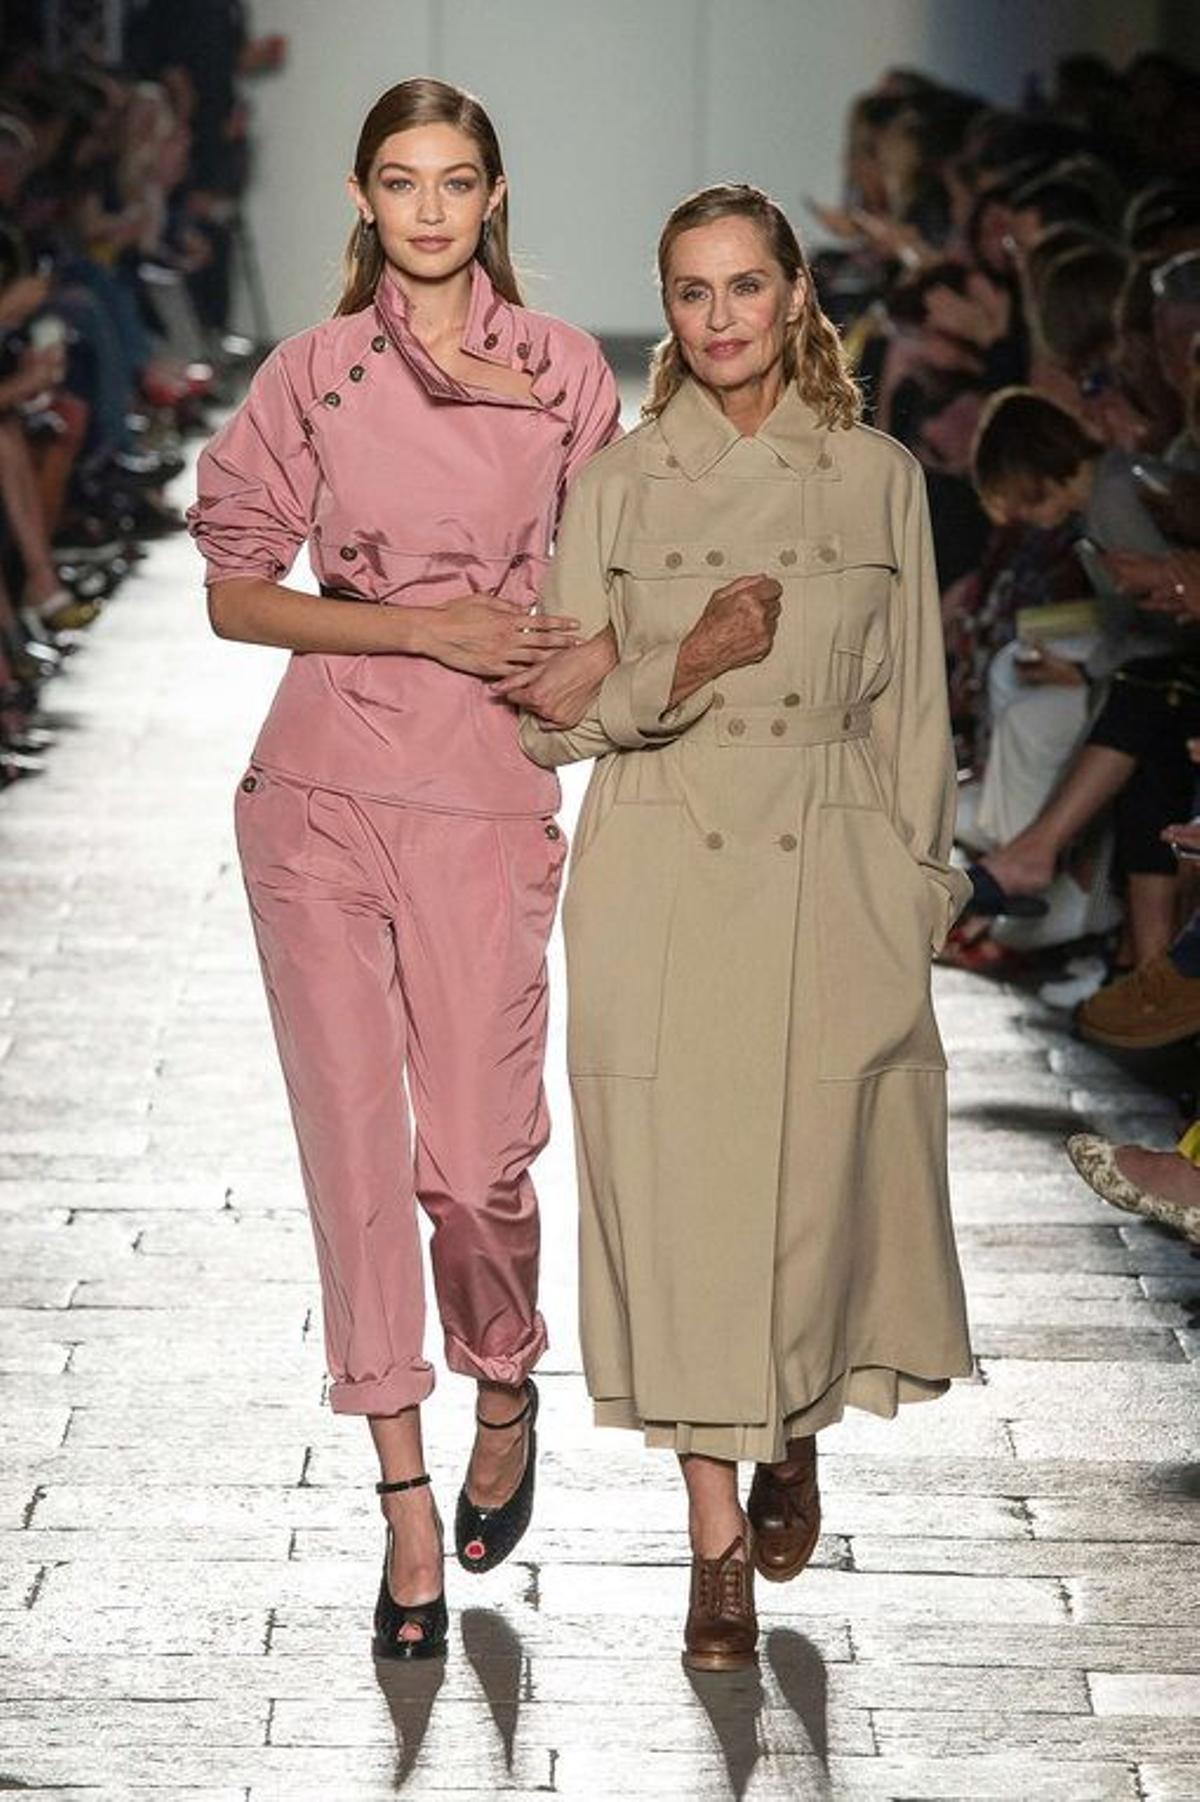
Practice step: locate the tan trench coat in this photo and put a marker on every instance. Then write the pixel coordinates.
(758, 880)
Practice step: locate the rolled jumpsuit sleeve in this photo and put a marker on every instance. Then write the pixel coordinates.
(911, 718)
(256, 484)
(630, 711)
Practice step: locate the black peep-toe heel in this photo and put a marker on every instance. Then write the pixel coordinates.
(391, 1616)
(484, 1537)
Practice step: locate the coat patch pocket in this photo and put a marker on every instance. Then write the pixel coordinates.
(874, 912)
(617, 925)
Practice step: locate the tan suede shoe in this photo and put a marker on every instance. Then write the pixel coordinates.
(1154, 1005)
(786, 1516)
(722, 1629)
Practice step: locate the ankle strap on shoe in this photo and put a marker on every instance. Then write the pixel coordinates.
(498, 1426)
(408, 1483)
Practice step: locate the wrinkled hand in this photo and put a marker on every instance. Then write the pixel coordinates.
(736, 628)
(1166, 584)
(485, 636)
(560, 691)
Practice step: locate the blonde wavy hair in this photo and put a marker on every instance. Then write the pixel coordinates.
(813, 357)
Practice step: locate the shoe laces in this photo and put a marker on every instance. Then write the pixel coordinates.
(722, 1583)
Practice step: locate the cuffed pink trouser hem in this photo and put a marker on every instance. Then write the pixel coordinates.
(405, 1387)
(508, 1367)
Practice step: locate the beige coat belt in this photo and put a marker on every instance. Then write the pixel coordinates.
(786, 725)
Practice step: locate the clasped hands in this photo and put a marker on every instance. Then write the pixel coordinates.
(558, 687)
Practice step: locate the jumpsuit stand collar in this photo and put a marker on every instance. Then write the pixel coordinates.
(495, 332)
(700, 435)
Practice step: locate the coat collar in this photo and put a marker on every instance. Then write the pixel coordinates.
(699, 435)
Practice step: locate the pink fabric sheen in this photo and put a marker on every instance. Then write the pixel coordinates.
(409, 489)
(362, 913)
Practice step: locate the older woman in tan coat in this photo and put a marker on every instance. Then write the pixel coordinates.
(759, 879)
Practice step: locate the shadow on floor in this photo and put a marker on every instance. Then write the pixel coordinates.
(495, 1654)
(410, 1689)
(733, 1702)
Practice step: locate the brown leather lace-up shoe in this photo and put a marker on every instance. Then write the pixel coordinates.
(785, 1513)
(722, 1630)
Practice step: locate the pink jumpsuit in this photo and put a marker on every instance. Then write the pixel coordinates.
(399, 850)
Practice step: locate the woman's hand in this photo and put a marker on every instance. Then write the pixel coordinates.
(23, 297)
(1049, 670)
(37, 372)
(1166, 584)
(485, 636)
(736, 628)
(560, 691)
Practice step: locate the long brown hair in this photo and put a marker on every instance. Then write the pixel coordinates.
(424, 101)
(812, 353)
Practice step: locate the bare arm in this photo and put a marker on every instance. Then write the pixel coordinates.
(480, 634)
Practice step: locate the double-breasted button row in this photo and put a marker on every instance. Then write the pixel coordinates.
(379, 342)
(716, 842)
(357, 373)
(552, 831)
(491, 341)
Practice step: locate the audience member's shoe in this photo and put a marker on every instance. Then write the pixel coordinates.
(1095, 1159)
(1154, 1005)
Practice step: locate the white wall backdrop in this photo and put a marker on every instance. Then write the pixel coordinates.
(610, 110)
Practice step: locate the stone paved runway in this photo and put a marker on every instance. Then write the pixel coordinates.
(1006, 1599)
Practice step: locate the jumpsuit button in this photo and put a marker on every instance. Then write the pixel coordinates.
(736, 728)
(559, 398)
(491, 341)
(824, 461)
(379, 342)
(787, 842)
(791, 700)
(249, 784)
(778, 728)
(357, 373)
(348, 553)
(552, 831)
(522, 351)
(332, 400)
(714, 841)
(568, 438)
(674, 559)
(828, 554)
(716, 558)
(787, 557)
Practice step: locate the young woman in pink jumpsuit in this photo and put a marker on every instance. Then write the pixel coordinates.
(400, 852)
